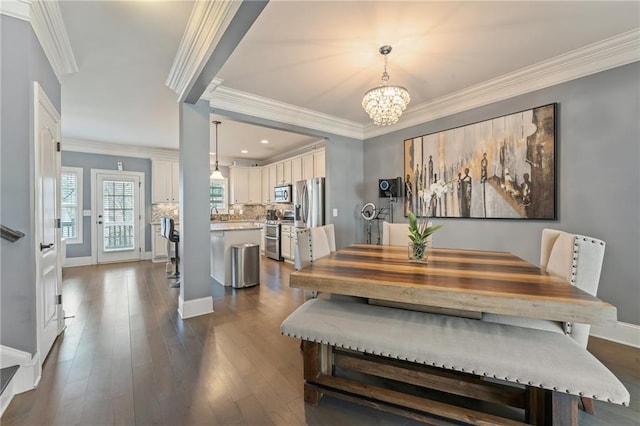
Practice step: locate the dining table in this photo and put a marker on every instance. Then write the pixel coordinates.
(462, 280)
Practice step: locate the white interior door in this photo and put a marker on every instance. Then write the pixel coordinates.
(118, 217)
(47, 170)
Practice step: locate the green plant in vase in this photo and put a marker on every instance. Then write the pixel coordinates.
(419, 228)
(419, 232)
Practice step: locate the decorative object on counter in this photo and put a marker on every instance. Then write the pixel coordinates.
(385, 103)
(421, 229)
(217, 174)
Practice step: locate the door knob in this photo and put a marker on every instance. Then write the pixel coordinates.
(45, 246)
(99, 222)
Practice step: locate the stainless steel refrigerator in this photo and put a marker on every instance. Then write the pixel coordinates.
(308, 203)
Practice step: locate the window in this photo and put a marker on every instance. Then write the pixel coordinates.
(71, 204)
(218, 196)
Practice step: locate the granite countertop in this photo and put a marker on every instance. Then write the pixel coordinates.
(237, 226)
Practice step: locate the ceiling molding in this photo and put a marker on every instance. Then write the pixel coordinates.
(207, 23)
(269, 109)
(20, 9)
(47, 23)
(106, 148)
(597, 57)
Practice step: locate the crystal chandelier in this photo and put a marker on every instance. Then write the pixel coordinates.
(217, 174)
(385, 103)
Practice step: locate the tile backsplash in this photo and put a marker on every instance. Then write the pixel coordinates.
(249, 212)
(165, 210)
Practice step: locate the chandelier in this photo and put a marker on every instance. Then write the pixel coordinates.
(385, 103)
(216, 174)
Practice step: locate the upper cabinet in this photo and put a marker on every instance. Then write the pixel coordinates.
(318, 163)
(165, 181)
(246, 185)
(296, 169)
(267, 189)
(313, 164)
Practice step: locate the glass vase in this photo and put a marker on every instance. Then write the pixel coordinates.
(418, 252)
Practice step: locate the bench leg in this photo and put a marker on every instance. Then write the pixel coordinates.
(317, 361)
(546, 407)
(587, 404)
(312, 395)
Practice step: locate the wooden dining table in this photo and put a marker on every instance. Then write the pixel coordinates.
(474, 281)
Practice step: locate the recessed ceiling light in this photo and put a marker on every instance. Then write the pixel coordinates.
(244, 151)
(264, 141)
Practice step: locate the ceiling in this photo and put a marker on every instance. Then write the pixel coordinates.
(320, 56)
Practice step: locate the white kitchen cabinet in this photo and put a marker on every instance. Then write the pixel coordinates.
(307, 166)
(239, 178)
(318, 164)
(267, 189)
(286, 167)
(255, 185)
(287, 249)
(165, 181)
(296, 169)
(246, 185)
(272, 178)
(279, 173)
(159, 244)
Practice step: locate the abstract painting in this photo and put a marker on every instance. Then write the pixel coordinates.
(503, 168)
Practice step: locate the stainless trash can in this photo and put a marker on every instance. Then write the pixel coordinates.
(245, 265)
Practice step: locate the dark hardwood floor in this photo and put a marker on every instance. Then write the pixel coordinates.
(128, 358)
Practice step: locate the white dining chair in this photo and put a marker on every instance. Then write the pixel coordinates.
(312, 244)
(397, 234)
(576, 259)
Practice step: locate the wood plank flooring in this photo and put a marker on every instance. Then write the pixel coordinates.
(128, 358)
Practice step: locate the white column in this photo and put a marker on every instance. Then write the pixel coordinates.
(195, 290)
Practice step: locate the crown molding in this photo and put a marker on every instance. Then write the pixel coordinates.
(597, 57)
(207, 23)
(20, 9)
(246, 103)
(106, 148)
(47, 23)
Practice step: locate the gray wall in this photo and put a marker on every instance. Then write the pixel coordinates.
(597, 177)
(23, 62)
(106, 162)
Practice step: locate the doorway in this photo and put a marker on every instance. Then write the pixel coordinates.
(118, 225)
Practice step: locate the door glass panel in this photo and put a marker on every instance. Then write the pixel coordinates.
(118, 220)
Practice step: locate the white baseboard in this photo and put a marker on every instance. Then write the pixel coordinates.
(78, 261)
(623, 332)
(26, 378)
(195, 307)
(147, 255)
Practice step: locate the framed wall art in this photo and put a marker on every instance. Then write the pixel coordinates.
(503, 168)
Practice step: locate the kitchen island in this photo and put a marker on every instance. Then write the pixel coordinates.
(223, 236)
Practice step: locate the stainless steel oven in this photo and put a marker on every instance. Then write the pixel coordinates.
(272, 240)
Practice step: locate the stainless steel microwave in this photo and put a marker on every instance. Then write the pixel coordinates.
(282, 194)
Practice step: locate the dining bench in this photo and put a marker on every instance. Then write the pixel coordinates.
(440, 368)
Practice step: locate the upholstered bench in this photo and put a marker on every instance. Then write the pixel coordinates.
(449, 363)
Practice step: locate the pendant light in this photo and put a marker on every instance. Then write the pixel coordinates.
(216, 174)
(385, 103)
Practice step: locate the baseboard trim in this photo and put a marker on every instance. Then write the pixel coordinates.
(26, 378)
(147, 255)
(195, 307)
(78, 261)
(623, 333)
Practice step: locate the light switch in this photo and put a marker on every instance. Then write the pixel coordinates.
(86, 212)
(335, 212)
